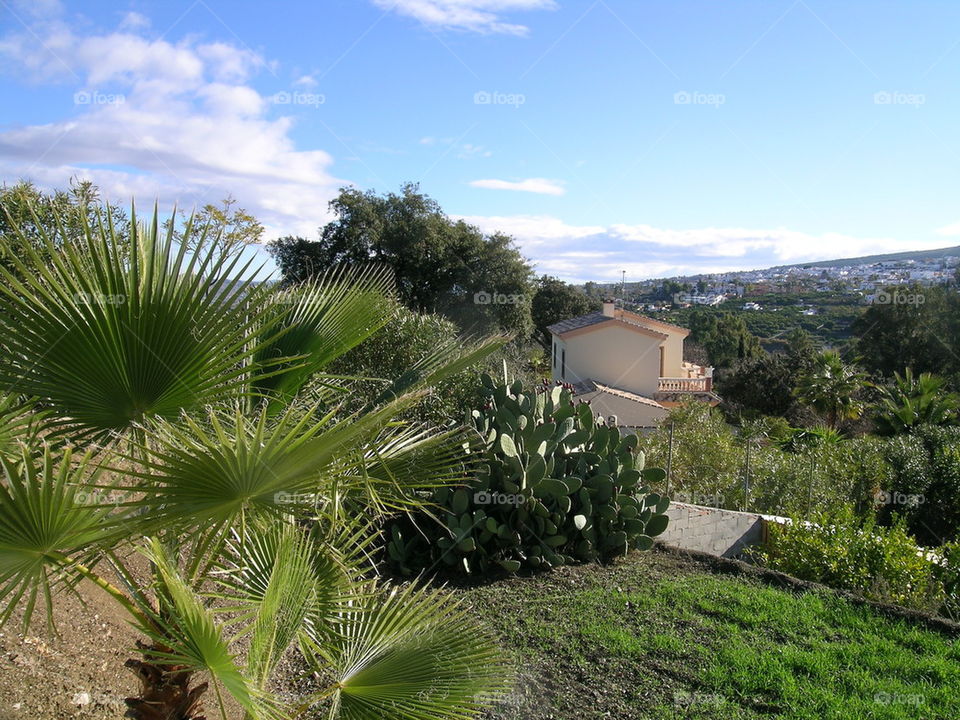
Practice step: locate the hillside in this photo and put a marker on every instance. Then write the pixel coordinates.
(667, 635)
(916, 255)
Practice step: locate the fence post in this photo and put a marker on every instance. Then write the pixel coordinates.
(746, 481)
(669, 460)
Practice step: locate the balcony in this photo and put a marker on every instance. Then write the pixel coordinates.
(685, 385)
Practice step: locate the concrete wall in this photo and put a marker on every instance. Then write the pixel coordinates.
(725, 533)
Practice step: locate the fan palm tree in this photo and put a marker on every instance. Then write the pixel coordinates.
(832, 388)
(176, 423)
(915, 400)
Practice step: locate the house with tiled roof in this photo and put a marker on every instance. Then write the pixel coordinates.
(627, 365)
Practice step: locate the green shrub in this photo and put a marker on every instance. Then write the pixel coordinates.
(880, 563)
(947, 571)
(709, 465)
(926, 467)
(553, 487)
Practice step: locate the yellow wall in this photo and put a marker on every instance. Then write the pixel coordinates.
(615, 356)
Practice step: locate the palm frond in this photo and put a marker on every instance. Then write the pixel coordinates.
(108, 334)
(320, 321)
(52, 524)
(20, 423)
(202, 475)
(404, 460)
(276, 580)
(186, 635)
(413, 654)
(444, 362)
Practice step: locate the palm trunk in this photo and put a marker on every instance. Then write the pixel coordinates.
(165, 692)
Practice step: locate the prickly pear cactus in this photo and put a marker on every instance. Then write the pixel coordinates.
(556, 486)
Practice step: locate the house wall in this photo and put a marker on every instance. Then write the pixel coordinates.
(673, 356)
(613, 355)
(557, 358)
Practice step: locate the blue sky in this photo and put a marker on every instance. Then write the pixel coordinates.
(657, 138)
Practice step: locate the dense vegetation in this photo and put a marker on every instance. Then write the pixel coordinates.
(553, 486)
(259, 448)
(172, 434)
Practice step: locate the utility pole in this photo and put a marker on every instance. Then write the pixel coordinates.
(669, 460)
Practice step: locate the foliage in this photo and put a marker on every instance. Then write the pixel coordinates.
(764, 386)
(187, 385)
(832, 388)
(29, 217)
(836, 549)
(709, 464)
(924, 336)
(947, 571)
(554, 487)
(440, 265)
(925, 484)
(555, 300)
(725, 337)
(915, 400)
(783, 313)
(230, 227)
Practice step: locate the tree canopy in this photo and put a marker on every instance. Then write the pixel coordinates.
(922, 332)
(725, 337)
(556, 300)
(442, 265)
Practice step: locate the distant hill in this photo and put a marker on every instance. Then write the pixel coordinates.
(890, 257)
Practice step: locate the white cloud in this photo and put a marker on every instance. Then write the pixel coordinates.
(157, 119)
(596, 252)
(532, 229)
(308, 81)
(469, 151)
(541, 186)
(949, 230)
(134, 21)
(483, 16)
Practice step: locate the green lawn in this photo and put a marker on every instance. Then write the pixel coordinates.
(659, 636)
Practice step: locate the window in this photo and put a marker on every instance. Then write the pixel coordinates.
(563, 364)
(554, 354)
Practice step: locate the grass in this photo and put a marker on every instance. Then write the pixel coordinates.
(662, 636)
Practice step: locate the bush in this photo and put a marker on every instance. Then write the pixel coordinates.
(880, 563)
(926, 471)
(709, 465)
(553, 487)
